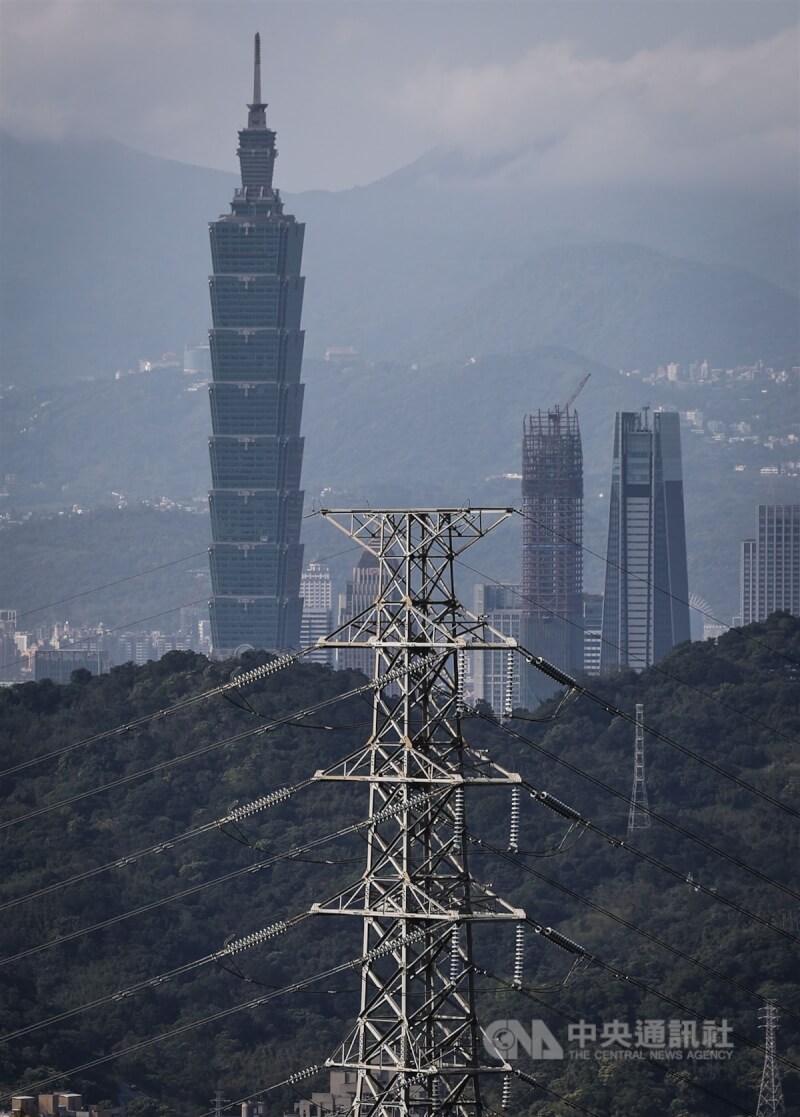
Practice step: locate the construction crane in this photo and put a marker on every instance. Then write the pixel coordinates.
(577, 392)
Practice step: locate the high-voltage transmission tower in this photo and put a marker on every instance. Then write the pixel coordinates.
(639, 813)
(417, 1046)
(770, 1098)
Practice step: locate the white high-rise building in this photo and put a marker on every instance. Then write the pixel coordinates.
(317, 595)
(770, 564)
(501, 605)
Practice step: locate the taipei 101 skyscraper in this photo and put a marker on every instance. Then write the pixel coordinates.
(256, 405)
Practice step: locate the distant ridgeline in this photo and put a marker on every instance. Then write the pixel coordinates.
(625, 277)
(740, 711)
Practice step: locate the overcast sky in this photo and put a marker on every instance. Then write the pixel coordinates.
(686, 90)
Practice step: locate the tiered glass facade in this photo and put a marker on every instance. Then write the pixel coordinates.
(256, 405)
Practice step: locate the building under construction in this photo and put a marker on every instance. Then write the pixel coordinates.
(552, 562)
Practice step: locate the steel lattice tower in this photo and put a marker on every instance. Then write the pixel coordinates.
(770, 1098)
(417, 1045)
(639, 813)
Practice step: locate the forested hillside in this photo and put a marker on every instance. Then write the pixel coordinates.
(735, 705)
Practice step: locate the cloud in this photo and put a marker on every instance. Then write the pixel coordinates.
(674, 113)
(356, 90)
(73, 68)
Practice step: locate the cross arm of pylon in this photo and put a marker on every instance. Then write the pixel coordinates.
(376, 529)
(473, 623)
(357, 768)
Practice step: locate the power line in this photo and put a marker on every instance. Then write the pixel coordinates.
(680, 1075)
(503, 725)
(662, 819)
(116, 628)
(233, 816)
(567, 680)
(650, 667)
(215, 691)
(163, 765)
(573, 948)
(564, 679)
(128, 578)
(537, 1084)
(247, 942)
(108, 585)
(619, 843)
(297, 1077)
(256, 867)
(515, 859)
(673, 1001)
(260, 730)
(249, 677)
(256, 1002)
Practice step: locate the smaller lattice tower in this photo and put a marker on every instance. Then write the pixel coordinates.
(770, 1098)
(639, 813)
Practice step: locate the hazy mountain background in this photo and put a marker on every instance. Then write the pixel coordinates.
(105, 257)
(472, 297)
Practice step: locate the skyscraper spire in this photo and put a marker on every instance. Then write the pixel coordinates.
(257, 116)
(257, 70)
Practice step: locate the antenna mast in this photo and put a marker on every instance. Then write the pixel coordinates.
(257, 70)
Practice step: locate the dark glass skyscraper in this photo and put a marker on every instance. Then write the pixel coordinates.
(552, 537)
(256, 405)
(645, 608)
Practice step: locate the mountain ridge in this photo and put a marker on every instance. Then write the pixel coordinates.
(628, 305)
(106, 258)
